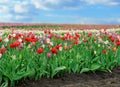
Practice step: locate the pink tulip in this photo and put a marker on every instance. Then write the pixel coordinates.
(6, 40)
(48, 55)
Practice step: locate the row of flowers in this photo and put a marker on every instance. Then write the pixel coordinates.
(35, 55)
(19, 39)
(55, 26)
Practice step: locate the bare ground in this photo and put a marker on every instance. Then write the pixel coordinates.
(98, 79)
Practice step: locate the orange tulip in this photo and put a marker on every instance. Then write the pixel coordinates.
(65, 47)
(114, 49)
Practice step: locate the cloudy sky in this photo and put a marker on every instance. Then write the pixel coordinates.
(60, 11)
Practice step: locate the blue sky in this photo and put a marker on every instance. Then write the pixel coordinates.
(60, 11)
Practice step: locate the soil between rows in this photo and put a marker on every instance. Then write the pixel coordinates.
(98, 79)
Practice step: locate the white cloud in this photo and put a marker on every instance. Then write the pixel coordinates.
(103, 2)
(95, 1)
(73, 8)
(51, 1)
(4, 9)
(40, 6)
(21, 7)
(114, 3)
(55, 4)
(4, 1)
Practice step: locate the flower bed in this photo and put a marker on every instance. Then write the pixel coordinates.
(48, 54)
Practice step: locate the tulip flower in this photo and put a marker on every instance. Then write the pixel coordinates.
(14, 35)
(0, 39)
(2, 49)
(95, 52)
(118, 43)
(114, 49)
(89, 35)
(60, 48)
(45, 31)
(47, 40)
(48, 55)
(6, 40)
(85, 41)
(1, 34)
(70, 47)
(104, 51)
(51, 43)
(40, 50)
(20, 47)
(0, 55)
(65, 47)
(109, 47)
(57, 47)
(112, 39)
(54, 51)
(20, 40)
(76, 43)
(15, 44)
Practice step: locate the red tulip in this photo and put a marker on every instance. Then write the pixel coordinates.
(15, 44)
(40, 50)
(112, 39)
(28, 39)
(31, 40)
(77, 35)
(54, 51)
(34, 40)
(89, 34)
(109, 37)
(16, 37)
(9, 36)
(50, 36)
(85, 41)
(49, 31)
(104, 51)
(2, 50)
(32, 36)
(118, 43)
(45, 31)
(76, 43)
(76, 38)
(0, 40)
(57, 47)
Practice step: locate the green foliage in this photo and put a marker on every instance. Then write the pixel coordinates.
(16, 65)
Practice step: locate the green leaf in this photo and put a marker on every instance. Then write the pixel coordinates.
(5, 84)
(20, 75)
(60, 68)
(84, 70)
(95, 66)
(74, 67)
(0, 77)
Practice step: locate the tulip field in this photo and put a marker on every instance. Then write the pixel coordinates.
(48, 53)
